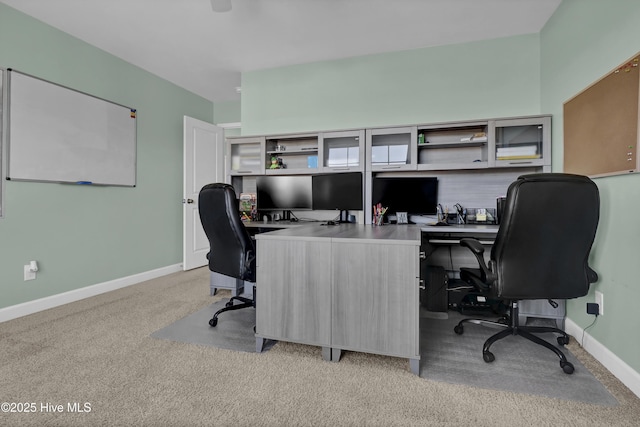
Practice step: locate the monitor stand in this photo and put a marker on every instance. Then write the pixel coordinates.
(344, 216)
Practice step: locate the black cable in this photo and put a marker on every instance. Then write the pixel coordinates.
(451, 258)
(584, 330)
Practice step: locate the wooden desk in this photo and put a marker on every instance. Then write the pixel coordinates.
(341, 287)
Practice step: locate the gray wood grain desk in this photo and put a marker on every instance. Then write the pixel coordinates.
(341, 287)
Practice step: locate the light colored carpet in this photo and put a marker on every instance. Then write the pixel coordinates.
(100, 351)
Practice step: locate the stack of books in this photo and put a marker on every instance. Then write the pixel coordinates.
(518, 152)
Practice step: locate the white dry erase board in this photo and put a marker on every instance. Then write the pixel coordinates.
(62, 135)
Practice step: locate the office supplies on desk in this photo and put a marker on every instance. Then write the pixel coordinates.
(378, 214)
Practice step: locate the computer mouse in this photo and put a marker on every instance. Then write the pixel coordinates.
(440, 224)
(331, 223)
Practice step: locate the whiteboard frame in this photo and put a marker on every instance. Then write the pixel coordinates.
(3, 136)
(128, 153)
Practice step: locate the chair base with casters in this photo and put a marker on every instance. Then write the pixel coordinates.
(514, 328)
(229, 306)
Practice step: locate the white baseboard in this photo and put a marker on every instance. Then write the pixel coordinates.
(30, 307)
(627, 375)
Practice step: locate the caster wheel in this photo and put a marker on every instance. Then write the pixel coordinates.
(229, 304)
(458, 329)
(488, 356)
(563, 340)
(567, 367)
(213, 322)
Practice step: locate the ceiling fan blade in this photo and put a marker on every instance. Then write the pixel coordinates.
(221, 5)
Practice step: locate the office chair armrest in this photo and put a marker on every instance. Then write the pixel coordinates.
(477, 249)
(474, 246)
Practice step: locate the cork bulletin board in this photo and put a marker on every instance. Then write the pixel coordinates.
(601, 125)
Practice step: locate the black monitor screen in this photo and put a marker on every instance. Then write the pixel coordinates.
(412, 195)
(340, 191)
(284, 192)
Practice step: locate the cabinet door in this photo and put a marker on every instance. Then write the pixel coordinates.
(522, 142)
(293, 291)
(375, 298)
(342, 151)
(391, 149)
(246, 156)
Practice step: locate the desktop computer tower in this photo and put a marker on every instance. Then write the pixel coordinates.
(433, 296)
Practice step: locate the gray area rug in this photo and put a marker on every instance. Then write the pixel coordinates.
(520, 365)
(234, 330)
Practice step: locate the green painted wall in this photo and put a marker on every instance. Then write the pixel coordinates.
(227, 112)
(467, 81)
(583, 41)
(82, 236)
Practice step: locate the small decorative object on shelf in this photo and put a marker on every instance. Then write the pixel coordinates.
(277, 163)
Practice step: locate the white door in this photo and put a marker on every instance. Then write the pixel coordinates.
(203, 164)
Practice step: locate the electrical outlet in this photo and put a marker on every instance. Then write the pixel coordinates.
(28, 273)
(600, 302)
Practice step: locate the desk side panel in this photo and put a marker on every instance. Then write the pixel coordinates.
(375, 298)
(293, 291)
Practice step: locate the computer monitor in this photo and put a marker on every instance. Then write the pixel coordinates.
(414, 195)
(291, 192)
(339, 191)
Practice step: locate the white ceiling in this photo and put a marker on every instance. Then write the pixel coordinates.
(185, 42)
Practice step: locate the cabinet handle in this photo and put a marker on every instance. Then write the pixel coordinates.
(244, 171)
(391, 167)
(520, 163)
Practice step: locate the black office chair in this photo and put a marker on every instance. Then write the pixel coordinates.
(232, 251)
(541, 251)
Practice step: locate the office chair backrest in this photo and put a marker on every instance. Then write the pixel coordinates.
(542, 247)
(232, 251)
